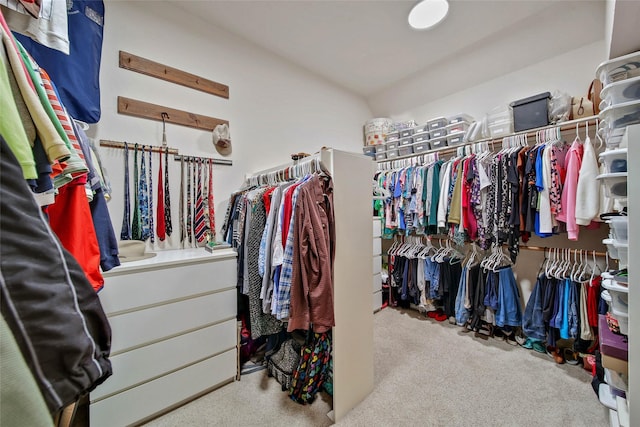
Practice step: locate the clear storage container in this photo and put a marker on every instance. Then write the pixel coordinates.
(404, 133)
(620, 92)
(615, 161)
(438, 133)
(420, 137)
(500, 128)
(615, 119)
(458, 127)
(620, 68)
(623, 320)
(380, 148)
(613, 251)
(405, 141)
(619, 228)
(405, 150)
(392, 145)
(419, 147)
(615, 184)
(619, 295)
(461, 118)
(437, 123)
(623, 253)
(369, 150)
(392, 154)
(381, 155)
(456, 138)
(421, 129)
(438, 142)
(616, 379)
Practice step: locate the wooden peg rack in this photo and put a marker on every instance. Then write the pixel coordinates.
(155, 69)
(146, 110)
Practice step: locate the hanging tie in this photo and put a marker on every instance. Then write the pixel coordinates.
(152, 230)
(144, 198)
(189, 217)
(125, 233)
(200, 225)
(181, 206)
(160, 227)
(136, 232)
(167, 195)
(212, 213)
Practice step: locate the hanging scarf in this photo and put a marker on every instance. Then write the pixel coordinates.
(144, 198)
(151, 227)
(125, 233)
(181, 206)
(136, 232)
(212, 213)
(189, 215)
(167, 197)
(160, 227)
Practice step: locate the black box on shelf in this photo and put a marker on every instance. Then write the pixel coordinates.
(531, 112)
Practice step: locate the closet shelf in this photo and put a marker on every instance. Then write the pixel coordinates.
(531, 133)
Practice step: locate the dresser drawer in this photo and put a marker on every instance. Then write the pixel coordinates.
(134, 368)
(377, 228)
(377, 282)
(377, 264)
(377, 300)
(377, 247)
(156, 396)
(152, 324)
(142, 288)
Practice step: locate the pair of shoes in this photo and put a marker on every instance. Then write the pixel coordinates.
(528, 344)
(555, 354)
(570, 356)
(437, 315)
(538, 346)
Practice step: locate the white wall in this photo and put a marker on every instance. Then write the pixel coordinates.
(274, 108)
(570, 72)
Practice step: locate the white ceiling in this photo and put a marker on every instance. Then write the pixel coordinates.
(367, 46)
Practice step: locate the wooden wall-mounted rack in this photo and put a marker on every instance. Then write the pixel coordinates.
(194, 158)
(146, 110)
(120, 145)
(155, 69)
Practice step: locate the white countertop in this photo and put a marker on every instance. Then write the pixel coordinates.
(172, 257)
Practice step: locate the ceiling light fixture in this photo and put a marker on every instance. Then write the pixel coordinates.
(428, 13)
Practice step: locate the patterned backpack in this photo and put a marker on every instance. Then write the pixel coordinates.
(313, 369)
(282, 364)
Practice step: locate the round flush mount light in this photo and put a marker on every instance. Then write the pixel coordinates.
(428, 13)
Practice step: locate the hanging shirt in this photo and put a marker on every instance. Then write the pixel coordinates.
(546, 221)
(445, 179)
(588, 190)
(568, 215)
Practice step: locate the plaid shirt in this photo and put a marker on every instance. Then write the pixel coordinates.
(282, 300)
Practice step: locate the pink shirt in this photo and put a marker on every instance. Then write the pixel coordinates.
(573, 162)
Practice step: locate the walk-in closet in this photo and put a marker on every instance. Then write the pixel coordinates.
(316, 213)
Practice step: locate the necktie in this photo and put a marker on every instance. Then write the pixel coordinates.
(167, 198)
(135, 226)
(152, 230)
(144, 198)
(189, 217)
(181, 206)
(212, 213)
(160, 213)
(200, 225)
(125, 232)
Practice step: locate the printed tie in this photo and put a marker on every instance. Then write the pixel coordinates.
(167, 197)
(125, 232)
(144, 198)
(160, 230)
(152, 229)
(212, 213)
(189, 217)
(135, 226)
(200, 225)
(181, 206)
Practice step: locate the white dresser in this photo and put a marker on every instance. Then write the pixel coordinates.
(173, 320)
(377, 263)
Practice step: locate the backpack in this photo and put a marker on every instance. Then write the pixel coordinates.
(313, 369)
(283, 362)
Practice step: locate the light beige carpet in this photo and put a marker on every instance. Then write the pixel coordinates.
(426, 374)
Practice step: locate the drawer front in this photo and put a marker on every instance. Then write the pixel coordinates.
(377, 228)
(377, 264)
(377, 247)
(155, 323)
(133, 367)
(377, 282)
(128, 291)
(377, 300)
(154, 397)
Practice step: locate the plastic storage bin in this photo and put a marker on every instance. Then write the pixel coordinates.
(615, 184)
(419, 147)
(381, 155)
(456, 138)
(405, 150)
(461, 118)
(420, 129)
(458, 127)
(392, 154)
(438, 142)
(620, 92)
(620, 68)
(623, 320)
(613, 251)
(438, 133)
(392, 136)
(420, 137)
(619, 295)
(392, 145)
(404, 133)
(500, 122)
(615, 119)
(623, 253)
(619, 228)
(437, 123)
(616, 379)
(615, 161)
(369, 150)
(405, 141)
(380, 147)
(531, 112)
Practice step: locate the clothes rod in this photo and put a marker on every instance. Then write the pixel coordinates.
(193, 158)
(571, 251)
(120, 144)
(531, 133)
